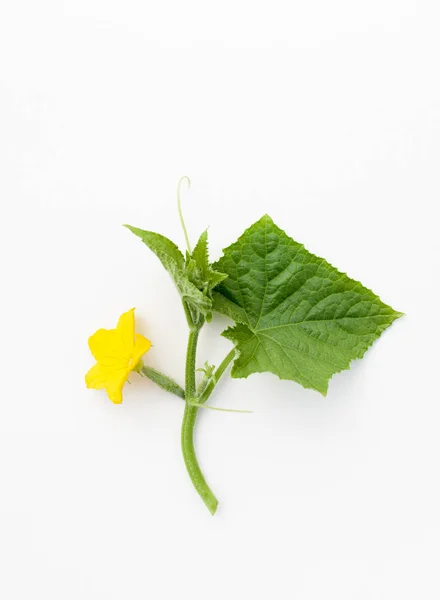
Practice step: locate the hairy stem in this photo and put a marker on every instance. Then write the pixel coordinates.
(191, 357)
(163, 381)
(189, 419)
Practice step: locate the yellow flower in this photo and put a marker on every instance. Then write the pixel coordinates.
(117, 352)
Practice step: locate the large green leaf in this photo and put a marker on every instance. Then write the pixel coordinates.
(173, 261)
(297, 316)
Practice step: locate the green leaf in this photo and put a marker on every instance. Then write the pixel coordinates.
(208, 376)
(202, 274)
(297, 316)
(200, 254)
(173, 261)
(163, 248)
(199, 271)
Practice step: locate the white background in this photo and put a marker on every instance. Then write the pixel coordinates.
(325, 115)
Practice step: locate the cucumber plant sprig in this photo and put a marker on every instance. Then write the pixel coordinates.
(294, 315)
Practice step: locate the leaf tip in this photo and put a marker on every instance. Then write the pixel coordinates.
(134, 230)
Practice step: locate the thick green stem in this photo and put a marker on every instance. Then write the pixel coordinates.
(191, 356)
(189, 419)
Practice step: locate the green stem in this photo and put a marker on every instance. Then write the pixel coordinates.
(217, 375)
(191, 356)
(189, 419)
(163, 381)
(188, 315)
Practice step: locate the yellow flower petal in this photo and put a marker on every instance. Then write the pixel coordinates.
(106, 345)
(114, 389)
(141, 345)
(125, 330)
(98, 376)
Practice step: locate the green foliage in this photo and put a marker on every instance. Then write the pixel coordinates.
(297, 316)
(199, 271)
(197, 303)
(208, 377)
(208, 278)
